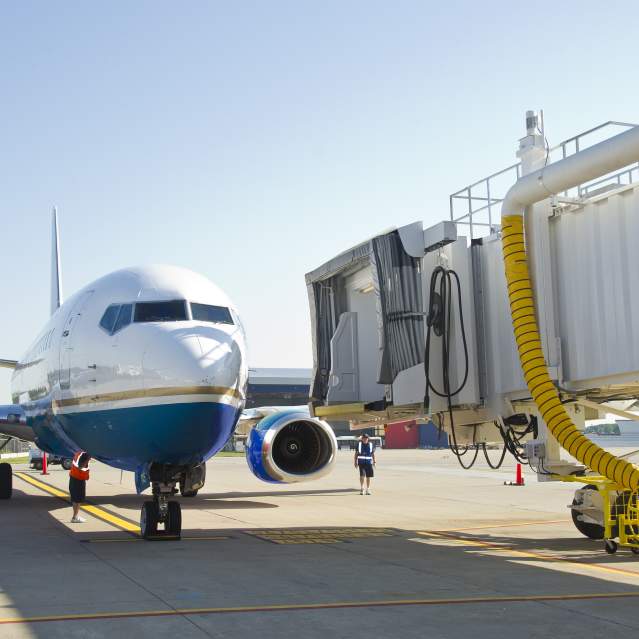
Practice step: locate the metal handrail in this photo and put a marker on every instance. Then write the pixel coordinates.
(487, 200)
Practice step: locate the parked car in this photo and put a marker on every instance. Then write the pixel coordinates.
(35, 459)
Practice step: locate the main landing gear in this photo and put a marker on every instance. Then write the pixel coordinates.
(6, 481)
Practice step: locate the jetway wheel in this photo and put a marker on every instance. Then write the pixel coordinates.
(592, 531)
(610, 546)
(149, 516)
(67, 463)
(6, 481)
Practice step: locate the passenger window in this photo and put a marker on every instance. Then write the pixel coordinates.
(209, 313)
(108, 319)
(124, 317)
(172, 311)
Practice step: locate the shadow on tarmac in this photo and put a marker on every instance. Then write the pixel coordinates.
(578, 548)
(50, 568)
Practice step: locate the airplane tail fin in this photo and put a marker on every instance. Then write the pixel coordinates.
(56, 283)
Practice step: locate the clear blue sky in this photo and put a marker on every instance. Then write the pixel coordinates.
(251, 141)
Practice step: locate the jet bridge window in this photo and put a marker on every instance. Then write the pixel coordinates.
(116, 317)
(209, 313)
(170, 311)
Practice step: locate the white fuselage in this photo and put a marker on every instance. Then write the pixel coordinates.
(166, 390)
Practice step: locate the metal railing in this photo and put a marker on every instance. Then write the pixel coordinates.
(479, 201)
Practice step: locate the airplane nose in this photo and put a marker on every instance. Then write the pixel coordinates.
(185, 358)
(221, 359)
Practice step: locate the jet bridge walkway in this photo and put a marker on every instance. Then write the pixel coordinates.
(428, 323)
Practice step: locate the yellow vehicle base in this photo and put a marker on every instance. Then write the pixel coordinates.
(620, 510)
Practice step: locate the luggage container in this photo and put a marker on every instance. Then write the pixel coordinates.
(402, 435)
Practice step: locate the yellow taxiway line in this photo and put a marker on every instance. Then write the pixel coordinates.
(319, 606)
(542, 522)
(96, 511)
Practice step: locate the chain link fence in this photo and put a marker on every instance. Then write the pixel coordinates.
(13, 447)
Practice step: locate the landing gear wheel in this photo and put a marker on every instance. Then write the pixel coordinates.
(6, 481)
(189, 493)
(149, 517)
(592, 531)
(610, 546)
(174, 519)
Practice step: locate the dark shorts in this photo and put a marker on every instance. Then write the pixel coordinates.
(366, 470)
(77, 489)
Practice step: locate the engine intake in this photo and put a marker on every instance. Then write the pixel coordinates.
(290, 447)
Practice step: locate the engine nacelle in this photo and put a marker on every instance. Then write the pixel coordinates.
(289, 447)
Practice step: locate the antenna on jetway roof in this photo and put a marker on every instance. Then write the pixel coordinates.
(56, 282)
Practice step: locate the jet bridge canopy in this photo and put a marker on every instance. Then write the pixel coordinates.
(366, 316)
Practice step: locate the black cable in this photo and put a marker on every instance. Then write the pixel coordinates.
(513, 438)
(501, 459)
(459, 455)
(438, 321)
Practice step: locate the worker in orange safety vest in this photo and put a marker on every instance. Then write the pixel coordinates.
(78, 476)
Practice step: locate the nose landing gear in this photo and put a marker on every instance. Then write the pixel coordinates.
(162, 512)
(162, 517)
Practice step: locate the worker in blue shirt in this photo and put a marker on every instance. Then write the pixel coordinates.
(365, 460)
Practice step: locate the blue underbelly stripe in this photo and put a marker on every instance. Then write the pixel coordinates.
(184, 433)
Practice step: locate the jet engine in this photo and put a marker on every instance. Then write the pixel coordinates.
(289, 447)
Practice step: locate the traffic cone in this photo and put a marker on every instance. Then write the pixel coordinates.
(44, 463)
(519, 478)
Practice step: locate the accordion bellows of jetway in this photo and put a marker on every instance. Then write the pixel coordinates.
(416, 322)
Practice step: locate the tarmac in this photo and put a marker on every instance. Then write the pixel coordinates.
(435, 551)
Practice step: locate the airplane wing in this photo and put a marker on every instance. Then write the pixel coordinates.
(13, 422)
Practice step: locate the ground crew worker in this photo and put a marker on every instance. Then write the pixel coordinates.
(365, 460)
(78, 476)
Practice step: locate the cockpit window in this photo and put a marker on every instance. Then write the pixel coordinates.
(124, 317)
(110, 316)
(116, 317)
(208, 313)
(172, 311)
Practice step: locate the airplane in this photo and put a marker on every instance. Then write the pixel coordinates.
(145, 369)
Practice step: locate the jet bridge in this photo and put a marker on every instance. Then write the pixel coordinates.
(421, 323)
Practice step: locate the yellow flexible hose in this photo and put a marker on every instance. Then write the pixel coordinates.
(533, 363)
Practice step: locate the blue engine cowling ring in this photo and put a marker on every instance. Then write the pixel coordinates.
(289, 447)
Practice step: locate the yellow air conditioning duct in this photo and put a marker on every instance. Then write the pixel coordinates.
(600, 159)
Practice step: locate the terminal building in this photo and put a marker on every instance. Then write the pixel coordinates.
(278, 387)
